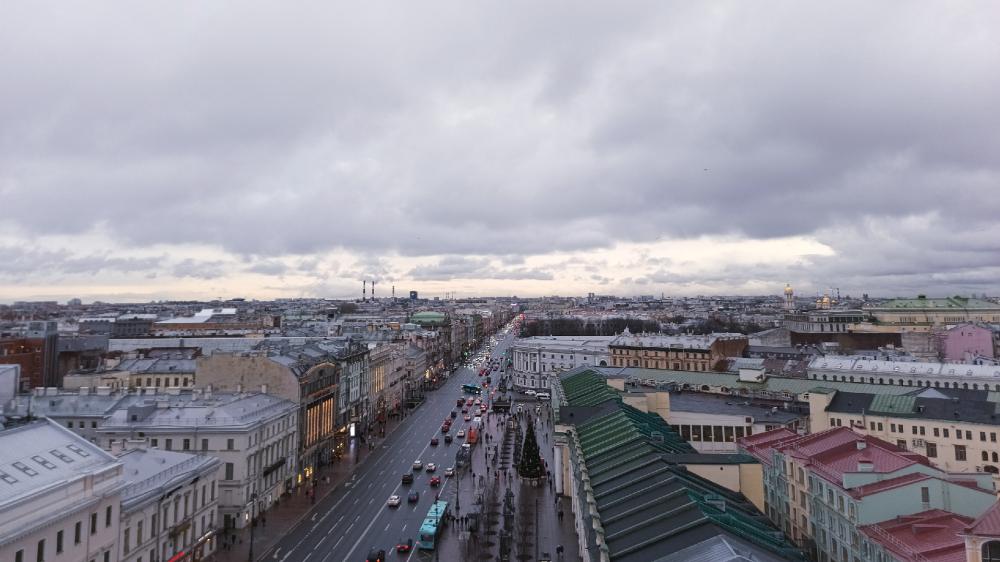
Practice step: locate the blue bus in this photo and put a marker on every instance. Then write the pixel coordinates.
(432, 525)
(472, 389)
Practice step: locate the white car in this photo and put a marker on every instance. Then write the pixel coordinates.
(460, 434)
(417, 465)
(431, 467)
(393, 501)
(530, 392)
(450, 471)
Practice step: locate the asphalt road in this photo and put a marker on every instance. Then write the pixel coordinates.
(351, 521)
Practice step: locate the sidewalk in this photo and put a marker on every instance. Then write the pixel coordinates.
(284, 516)
(533, 522)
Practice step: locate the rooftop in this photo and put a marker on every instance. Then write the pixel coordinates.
(41, 454)
(628, 339)
(727, 405)
(928, 536)
(928, 404)
(947, 303)
(153, 472)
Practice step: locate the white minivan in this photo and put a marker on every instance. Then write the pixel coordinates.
(542, 396)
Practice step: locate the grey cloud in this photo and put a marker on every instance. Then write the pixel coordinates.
(21, 263)
(421, 130)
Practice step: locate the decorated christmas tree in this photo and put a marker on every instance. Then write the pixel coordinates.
(531, 462)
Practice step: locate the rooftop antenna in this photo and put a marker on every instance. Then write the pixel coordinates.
(364, 290)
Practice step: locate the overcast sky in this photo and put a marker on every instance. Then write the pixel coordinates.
(206, 149)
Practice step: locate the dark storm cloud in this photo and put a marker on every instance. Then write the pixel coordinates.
(496, 129)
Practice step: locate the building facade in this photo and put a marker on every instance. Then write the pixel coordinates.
(536, 360)
(169, 505)
(820, 488)
(676, 353)
(60, 496)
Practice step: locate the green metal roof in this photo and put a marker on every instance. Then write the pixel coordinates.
(884, 403)
(587, 388)
(954, 303)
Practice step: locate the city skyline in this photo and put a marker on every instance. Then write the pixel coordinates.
(504, 149)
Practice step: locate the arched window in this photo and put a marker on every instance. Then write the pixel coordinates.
(965, 386)
(604, 363)
(991, 551)
(824, 377)
(881, 381)
(852, 378)
(991, 469)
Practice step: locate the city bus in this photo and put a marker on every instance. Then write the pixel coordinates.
(472, 389)
(431, 526)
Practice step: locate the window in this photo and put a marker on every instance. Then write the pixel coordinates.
(127, 540)
(880, 426)
(107, 556)
(93, 523)
(107, 517)
(982, 436)
(187, 444)
(204, 444)
(69, 424)
(229, 471)
(991, 551)
(901, 443)
(154, 442)
(960, 452)
(19, 556)
(944, 432)
(229, 444)
(138, 533)
(59, 542)
(914, 430)
(931, 450)
(986, 456)
(76, 532)
(925, 494)
(170, 444)
(937, 432)
(968, 435)
(41, 551)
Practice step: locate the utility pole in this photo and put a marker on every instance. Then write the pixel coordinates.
(253, 523)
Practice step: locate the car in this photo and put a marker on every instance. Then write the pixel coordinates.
(447, 438)
(393, 501)
(434, 441)
(460, 401)
(477, 401)
(468, 417)
(408, 478)
(431, 467)
(445, 428)
(418, 464)
(465, 410)
(413, 496)
(530, 392)
(375, 555)
(450, 471)
(405, 546)
(460, 434)
(454, 414)
(435, 481)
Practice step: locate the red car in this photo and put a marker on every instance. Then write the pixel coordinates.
(445, 428)
(435, 481)
(405, 546)
(434, 441)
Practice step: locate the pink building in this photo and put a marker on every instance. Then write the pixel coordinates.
(964, 342)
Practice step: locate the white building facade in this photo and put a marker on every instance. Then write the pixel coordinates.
(169, 505)
(60, 496)
(537, 359)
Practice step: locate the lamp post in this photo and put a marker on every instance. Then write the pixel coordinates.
(253, 523)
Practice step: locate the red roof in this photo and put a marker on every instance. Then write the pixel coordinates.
(987, 524)
(876, 487)
(933, 534)
(833, 452)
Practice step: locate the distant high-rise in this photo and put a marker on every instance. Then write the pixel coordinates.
(413, 295)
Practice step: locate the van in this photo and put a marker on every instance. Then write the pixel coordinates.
(542, 396)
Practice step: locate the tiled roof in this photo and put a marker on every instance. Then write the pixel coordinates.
(987, 524)
(889, 484)
(929, 536)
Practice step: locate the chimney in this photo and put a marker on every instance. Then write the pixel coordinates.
(263, 389)
(239, 388)
(104, 391)
(84, 390)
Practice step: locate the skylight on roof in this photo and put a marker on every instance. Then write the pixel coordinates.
(25, 469)
(61, 456)
(7, 478)
(78, 450)
(44, 462)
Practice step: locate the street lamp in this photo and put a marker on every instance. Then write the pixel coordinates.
(253, 523)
